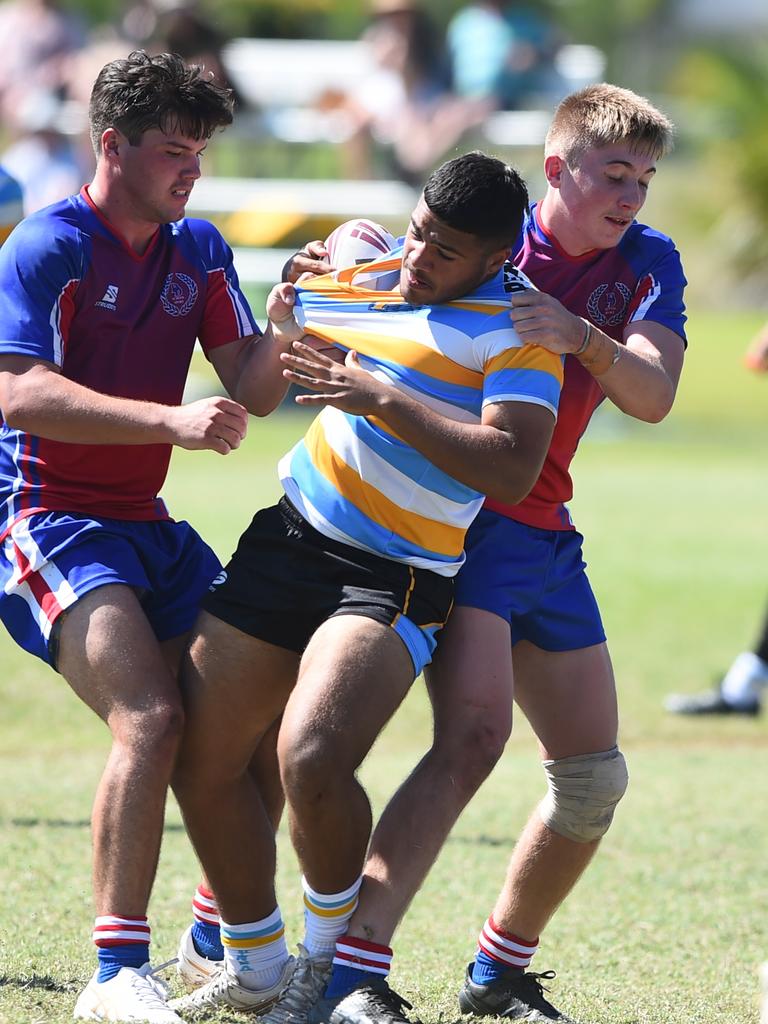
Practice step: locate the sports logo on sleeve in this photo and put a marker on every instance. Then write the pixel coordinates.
(179, 294)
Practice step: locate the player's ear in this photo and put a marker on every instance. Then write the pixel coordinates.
(110, 142)
(497, 259)
(553, 170)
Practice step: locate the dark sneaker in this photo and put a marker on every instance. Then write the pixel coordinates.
(710, 702)
(372, 1002)
(517, 995)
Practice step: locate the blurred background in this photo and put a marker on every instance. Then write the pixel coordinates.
(343, 107)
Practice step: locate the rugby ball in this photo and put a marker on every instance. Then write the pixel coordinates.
(360, 241)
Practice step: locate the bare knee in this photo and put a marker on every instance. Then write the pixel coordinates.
(469, 747)
(310, 765)
(149, 734)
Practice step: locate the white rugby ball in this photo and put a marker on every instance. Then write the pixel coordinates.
(360, 241)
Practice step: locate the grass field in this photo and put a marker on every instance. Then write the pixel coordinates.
(671, 922)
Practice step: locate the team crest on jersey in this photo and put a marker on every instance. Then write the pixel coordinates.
(179, 294)
(607, 305)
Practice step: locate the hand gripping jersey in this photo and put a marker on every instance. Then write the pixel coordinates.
(74, 293)
(351, 477)
(639, 279)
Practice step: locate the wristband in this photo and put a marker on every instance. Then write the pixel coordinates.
(586, 340)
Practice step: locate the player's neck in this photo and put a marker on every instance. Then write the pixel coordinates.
(113, 207)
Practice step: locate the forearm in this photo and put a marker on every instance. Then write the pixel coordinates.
(49, 405)
(260, 384)
(634, 378)
(478, 455)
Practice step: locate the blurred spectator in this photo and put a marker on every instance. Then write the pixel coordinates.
(177, 26)
(405, 103)
(39, 37)
(756, 356)
(11, 207)
(742, 689)
(44, 159)
(502, 52)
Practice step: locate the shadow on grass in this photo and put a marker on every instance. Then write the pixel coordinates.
(65, 823)
(483, 840)
(38, 981)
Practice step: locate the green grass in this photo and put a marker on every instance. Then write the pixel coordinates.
(669, 924)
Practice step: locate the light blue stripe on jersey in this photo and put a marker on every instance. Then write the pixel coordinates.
(522, 386)
(349, 523)
(349, 480)
(458, 395)
(408, 461)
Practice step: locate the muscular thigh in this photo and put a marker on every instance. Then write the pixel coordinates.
(235, 687)
(110, 656)
(470, 678)
(354, 674)
(569, 697)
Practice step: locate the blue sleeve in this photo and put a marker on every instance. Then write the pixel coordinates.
(41, 266)
(225, 297)
(659, 290)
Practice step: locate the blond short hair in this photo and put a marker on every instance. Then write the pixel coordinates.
(604, 115)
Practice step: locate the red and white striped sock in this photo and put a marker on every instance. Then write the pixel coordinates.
(121, 942)
(353, 960)
(505, 947)
(204, 907)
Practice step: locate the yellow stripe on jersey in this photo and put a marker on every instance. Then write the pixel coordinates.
(427, 533)
(529, 357)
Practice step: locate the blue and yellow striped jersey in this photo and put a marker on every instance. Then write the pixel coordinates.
(350, 476)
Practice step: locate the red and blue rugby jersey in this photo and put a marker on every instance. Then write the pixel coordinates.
(639, 279)
(73, 292)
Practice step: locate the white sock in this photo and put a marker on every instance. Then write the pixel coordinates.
(326, 916)
(256, 951)
(745, 679)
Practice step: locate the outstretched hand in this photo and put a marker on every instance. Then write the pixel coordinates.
(346, 386)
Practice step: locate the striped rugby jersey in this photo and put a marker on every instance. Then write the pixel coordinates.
(350, 476)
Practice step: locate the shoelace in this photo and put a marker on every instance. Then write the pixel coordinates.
(208, 994)
(152, 991)
(300, 991)
(389, 999)
(532, 980)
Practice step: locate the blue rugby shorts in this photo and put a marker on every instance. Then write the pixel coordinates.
(535, 579)
(51, 559)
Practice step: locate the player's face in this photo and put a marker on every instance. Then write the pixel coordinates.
(158, 174)
(590, 206)
(441, 263)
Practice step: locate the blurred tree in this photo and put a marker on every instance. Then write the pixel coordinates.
(729, 88)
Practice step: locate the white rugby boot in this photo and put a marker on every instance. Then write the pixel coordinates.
(134, 994)
(225, 989)
(193, 968)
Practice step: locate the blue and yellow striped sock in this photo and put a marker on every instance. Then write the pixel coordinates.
(256, 951)
(326, 916)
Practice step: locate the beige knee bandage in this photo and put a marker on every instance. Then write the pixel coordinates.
(583, 793)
